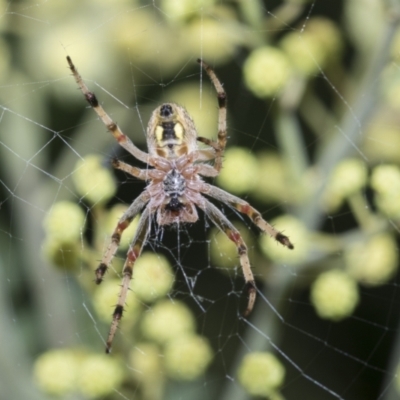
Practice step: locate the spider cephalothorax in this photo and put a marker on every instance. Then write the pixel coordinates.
(171, 132)
(175, 186)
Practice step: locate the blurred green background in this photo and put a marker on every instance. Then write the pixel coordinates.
(314, 144)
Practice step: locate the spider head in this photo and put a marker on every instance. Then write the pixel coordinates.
(171, 132)
(166, 111)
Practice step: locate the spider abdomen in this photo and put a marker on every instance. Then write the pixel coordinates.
(174, 185)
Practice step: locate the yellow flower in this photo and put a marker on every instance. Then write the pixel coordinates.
(167, 320)
(63, 255)
(56, 371)
(239, 172)
(385, 180)
(93, 180)
(382, 137)
(334, 295)
(311, 49)
(388, 204)
(99, 375)
(148, 40)
(271, 180)
(261, 374)
(266, 71)
(64, 222)
(184, 9)
(152, 277)
(145, 360)
(217, 40)
(187, 357)
(374, 261)
(348, 177)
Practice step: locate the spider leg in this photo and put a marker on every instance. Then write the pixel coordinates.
(233, 234)
(123, 223)
(133, 253)
(206, 170)
(206, 154)
(245, 208)
(219, 145)
(119, 136)
(141, 174)
(212, 143)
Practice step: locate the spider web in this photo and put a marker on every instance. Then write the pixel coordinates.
(341, 107)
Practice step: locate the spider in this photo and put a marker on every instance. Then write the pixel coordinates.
(175, 186)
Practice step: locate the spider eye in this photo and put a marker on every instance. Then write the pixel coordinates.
(166, 110)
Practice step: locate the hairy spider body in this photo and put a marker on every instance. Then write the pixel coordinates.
(175, 186)
(174, 191)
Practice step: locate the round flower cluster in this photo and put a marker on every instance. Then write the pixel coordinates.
(267, 189)
(60, 372)
(311, 49)
(348, 177)
(266, 71)
(146, 365)
(374, 261)
(334, 295)
(93, 180)
(64, 227)
(167, 320)
(154, 277)
(187, 357)
(171, 328)
(65, 221)
(240, 171)
(385, 180)
(261, 374)
(184, 9)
